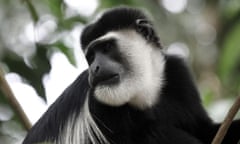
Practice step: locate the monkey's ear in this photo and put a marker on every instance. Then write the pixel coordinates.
(144, 27)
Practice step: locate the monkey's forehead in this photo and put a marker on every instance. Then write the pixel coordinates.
(113, 19)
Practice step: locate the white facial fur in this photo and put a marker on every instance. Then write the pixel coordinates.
(142, 85)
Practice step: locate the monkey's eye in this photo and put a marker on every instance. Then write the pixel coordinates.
(106, 48)
(90, 57)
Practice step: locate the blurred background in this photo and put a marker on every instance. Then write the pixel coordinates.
(40, 53)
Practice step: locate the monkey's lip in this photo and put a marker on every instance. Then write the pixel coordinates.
(109, 80)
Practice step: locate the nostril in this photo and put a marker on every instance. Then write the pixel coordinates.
(96, 69)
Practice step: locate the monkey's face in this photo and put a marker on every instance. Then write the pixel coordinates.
(125, 68)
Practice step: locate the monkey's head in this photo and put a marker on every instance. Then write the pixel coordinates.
(126, 63)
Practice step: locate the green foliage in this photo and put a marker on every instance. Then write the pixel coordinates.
(33, 74)
(231, 53)
(208, 97)
(231, 8)
(39, 62)
(67, 51)
(32, 11)
(68, 23)
(111, 3)
(56, 7)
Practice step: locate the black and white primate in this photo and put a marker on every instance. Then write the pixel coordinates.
(132, 92)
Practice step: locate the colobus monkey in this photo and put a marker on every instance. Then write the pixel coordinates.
(132, 92)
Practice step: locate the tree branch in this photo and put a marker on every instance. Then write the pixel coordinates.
(5, 88)
(227, 122)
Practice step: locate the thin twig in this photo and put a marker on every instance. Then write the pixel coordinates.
(227, 122)
(5, 88)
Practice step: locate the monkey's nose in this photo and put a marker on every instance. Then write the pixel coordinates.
(96, 69)
(103, 76)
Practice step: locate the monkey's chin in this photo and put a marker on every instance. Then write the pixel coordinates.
(111, 95)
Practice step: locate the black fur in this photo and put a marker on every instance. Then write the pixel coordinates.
(177, 118)
(123, 18)
(54, 119)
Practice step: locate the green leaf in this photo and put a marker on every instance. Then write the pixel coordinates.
(32, 10)
(230, 8)
(67, 51)
(33, 75)
(231, 53)
(2, 98)
(208, 96)
(74, 19)
(68, 23)
(56, 7)
(112, 3)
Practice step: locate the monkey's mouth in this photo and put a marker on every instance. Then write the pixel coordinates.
(106, 80)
